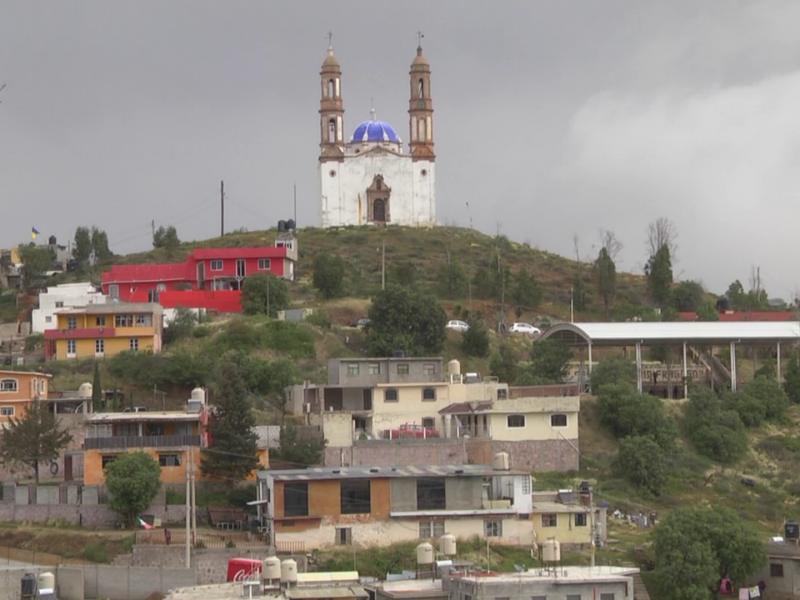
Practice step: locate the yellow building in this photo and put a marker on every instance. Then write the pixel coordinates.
(100, 330)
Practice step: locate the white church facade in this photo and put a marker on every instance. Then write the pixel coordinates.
(371, 178)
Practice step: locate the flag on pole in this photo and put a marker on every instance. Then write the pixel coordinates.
(145, 525)
(34, 233)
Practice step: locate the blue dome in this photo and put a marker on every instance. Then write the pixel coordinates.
(375, 131)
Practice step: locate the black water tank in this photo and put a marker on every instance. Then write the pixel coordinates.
(792, 530)
(399, 353)
(52, 240)
(723, 304)
(28, 585)
(281, 225)
(290, 225)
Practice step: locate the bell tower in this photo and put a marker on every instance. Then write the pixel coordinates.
(331, 109)
(420, 108)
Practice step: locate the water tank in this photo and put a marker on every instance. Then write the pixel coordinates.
(47, 581)
(792, 530)
(723, 304)
(501, 462)
(399, 353)
(281, 225)
(271, 568)
(447, 544)
(28, 585)
(290, 225)
(198, 395)
(551, 551)
(289, 571)
(85, 391)
(425, 554)
(52, 240)
(454, 367)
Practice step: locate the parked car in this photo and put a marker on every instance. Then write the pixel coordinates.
(457, 325)
(411, 430)
(360, 323)
(525, 328)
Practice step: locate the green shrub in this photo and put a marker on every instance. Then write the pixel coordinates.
(612, 370)
(642, 462)
(201, 331)
(96, 553)
(751, 410)
(475, 340)
(628, 413)
(291, 338)
(319, 318)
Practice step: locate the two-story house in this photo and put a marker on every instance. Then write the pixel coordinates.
(61, 297)
(210, 278)
(403, 410)
(18, 389)
(377, 506)
(100, 330)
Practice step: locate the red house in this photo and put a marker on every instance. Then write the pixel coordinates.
(211, 278)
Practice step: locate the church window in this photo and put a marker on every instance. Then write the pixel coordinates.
(379, 184)
(422, 135)
(421, 88)
(332, 173)
(424, 172)
(332, 131)
(330, 89)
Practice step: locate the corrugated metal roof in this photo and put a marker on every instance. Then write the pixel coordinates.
(693, 332)
(319, 473)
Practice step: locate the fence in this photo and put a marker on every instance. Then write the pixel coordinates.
(149, 441)
(244, 540)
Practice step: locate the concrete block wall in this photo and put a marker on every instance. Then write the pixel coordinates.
(69, 583)
(99, 516)
(397, 454)
(132, 583)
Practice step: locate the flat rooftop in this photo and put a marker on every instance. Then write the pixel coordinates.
(563, 575)
(386, 472)
(167, 416)
(116, 308)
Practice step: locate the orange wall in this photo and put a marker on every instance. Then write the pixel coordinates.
(380, 498)
(20, 399)
(324, 498)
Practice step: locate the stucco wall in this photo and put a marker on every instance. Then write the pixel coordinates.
(397, 453)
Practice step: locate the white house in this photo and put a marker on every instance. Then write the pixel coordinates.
(68, 295)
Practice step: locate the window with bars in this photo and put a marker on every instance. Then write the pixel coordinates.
(72, 322)
(526, 485)
(123, 320)
(144, 320)
(493, 528)
(430, 493)
(516, 420)
(216, 265)
(390, 395)
(99, 347)
(580, 520)
(558, 420)
(344, 536)
(402, 369)
(264, 264)
(72, 347)
(431, 529)
(133, 344)
(550, 520)
(100, 321)
(429, 394)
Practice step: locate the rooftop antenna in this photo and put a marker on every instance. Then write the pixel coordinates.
(420, 35)
(373, 115)
(330, 39)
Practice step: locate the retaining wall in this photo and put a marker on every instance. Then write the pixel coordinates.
(97, 515)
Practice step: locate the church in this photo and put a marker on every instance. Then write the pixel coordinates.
(371, 178)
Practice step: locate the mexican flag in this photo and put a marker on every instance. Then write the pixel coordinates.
(143, 524)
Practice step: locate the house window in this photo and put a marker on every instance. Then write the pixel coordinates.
(431, 529)
(108, 459)
(430, 493)
(344, 536)
(99, 347)
(550, 520)
(134, 344)
(390, 395)
(72, 346)
(216, 265)
(352, 369)
(775, 569)
(123, 320)
(113, 290)
(428, 369)
(8, 385)
(516, 420)
(538, 597)
(580, 519)
(374, 368)
(264, 264)
(72, 322)
(493, 528)
(355, 496)
(429, 394)
(36, 386)
(558, 420)
(48, 319)
(126, 430)
(428, 422)
(402, 369)
(573, 597)
(607, 596)
(59, 304)
(169, 460)
(154, 429)
(526, 485)
(502, 394)
(144, 320)
(7, 411)
(100, 321)
(295, 499)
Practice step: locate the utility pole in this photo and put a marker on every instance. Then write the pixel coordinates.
(268, 276)
(153, 228)
(295, 205)
(222, 208)
(383, 264)
(188, 516)
(571, 305)
(194, 498)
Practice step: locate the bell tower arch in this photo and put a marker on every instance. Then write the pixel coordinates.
(420, 108)
(331, 109)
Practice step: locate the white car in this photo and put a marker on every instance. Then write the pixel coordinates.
(457, 325)
(525, 328)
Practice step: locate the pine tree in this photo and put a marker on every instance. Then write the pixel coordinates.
(231, 454)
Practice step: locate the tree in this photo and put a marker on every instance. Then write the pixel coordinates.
(662, 232)
(792, 380)
(264, 294)
(405, 319)
(34, 438)
(550, 361)
(769, 395)
(36, 260)
(166, 238)
(82, 252)
(181, 325)
(97, 388)
(452, 280)
(133, 481)
(232, 452)
(329, 275)
(627, 413)
(102, 253)
(707, 311)
(610, 371)
(642, 461)
(687, 296)
(527, 292)
(716, 432)
(300, 451)
(482, 286)
(659, 275)
(610, 243)
(504, 365)
(475, 340)
(696, 546)
(404, 273)
(606, 275)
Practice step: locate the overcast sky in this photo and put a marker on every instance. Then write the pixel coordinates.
(551, 119)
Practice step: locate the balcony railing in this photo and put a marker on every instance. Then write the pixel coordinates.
(144, 441)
